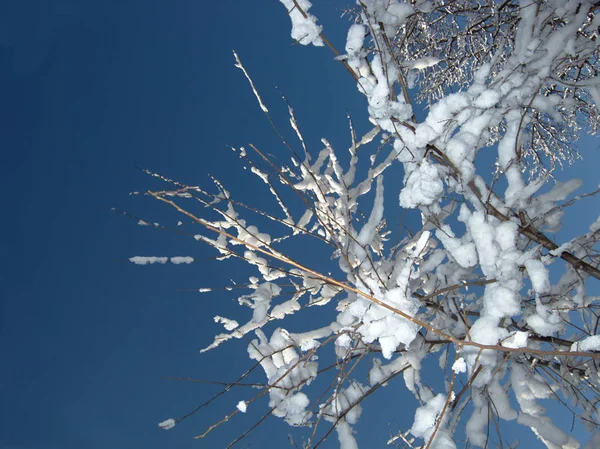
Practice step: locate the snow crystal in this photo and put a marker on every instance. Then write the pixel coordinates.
(167, 424)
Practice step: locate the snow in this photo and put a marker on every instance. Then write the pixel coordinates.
(345, 437)
(459, 366)
(304, 29)
(423, 186)
(487, 99)
(538, 274)
(148, 260)
(239, 65)
(464, 252)
(426, 418)
(286, 308)
(587, 344)
(227, 323)
(483, 233)
(367, 233)
(594, 442)
(516, 340)
(421, 63)
(468, 272)
(355, 39)
(500, 301)
(182, 260)
(167, 424)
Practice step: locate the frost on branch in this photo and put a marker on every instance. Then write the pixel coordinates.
(482, 288)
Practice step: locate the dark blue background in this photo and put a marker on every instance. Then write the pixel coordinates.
(90, 90)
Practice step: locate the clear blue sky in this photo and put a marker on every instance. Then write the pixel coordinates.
(89, 90)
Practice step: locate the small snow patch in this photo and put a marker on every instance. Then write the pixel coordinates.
(459, 366)
(168, 424)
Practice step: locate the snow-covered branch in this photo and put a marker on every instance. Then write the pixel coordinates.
(480, 284)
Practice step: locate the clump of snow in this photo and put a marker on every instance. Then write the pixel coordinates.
(426, 420)
(242, 406)
(286, 308)
(309, 345)
(279, 360)
(345, 437)
(587, 344)
(516, 340)
(423, 186)
(304, 29)
(461, 250)
(500, 301)
(148, 260)
(421, 63)
(545, 324)
(459, 366)
(167, 424)
(487, 99)
(539, 276)
(182, 260)
(355, 39)
(227, 323)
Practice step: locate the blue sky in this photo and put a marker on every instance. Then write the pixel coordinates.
(90, 91)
